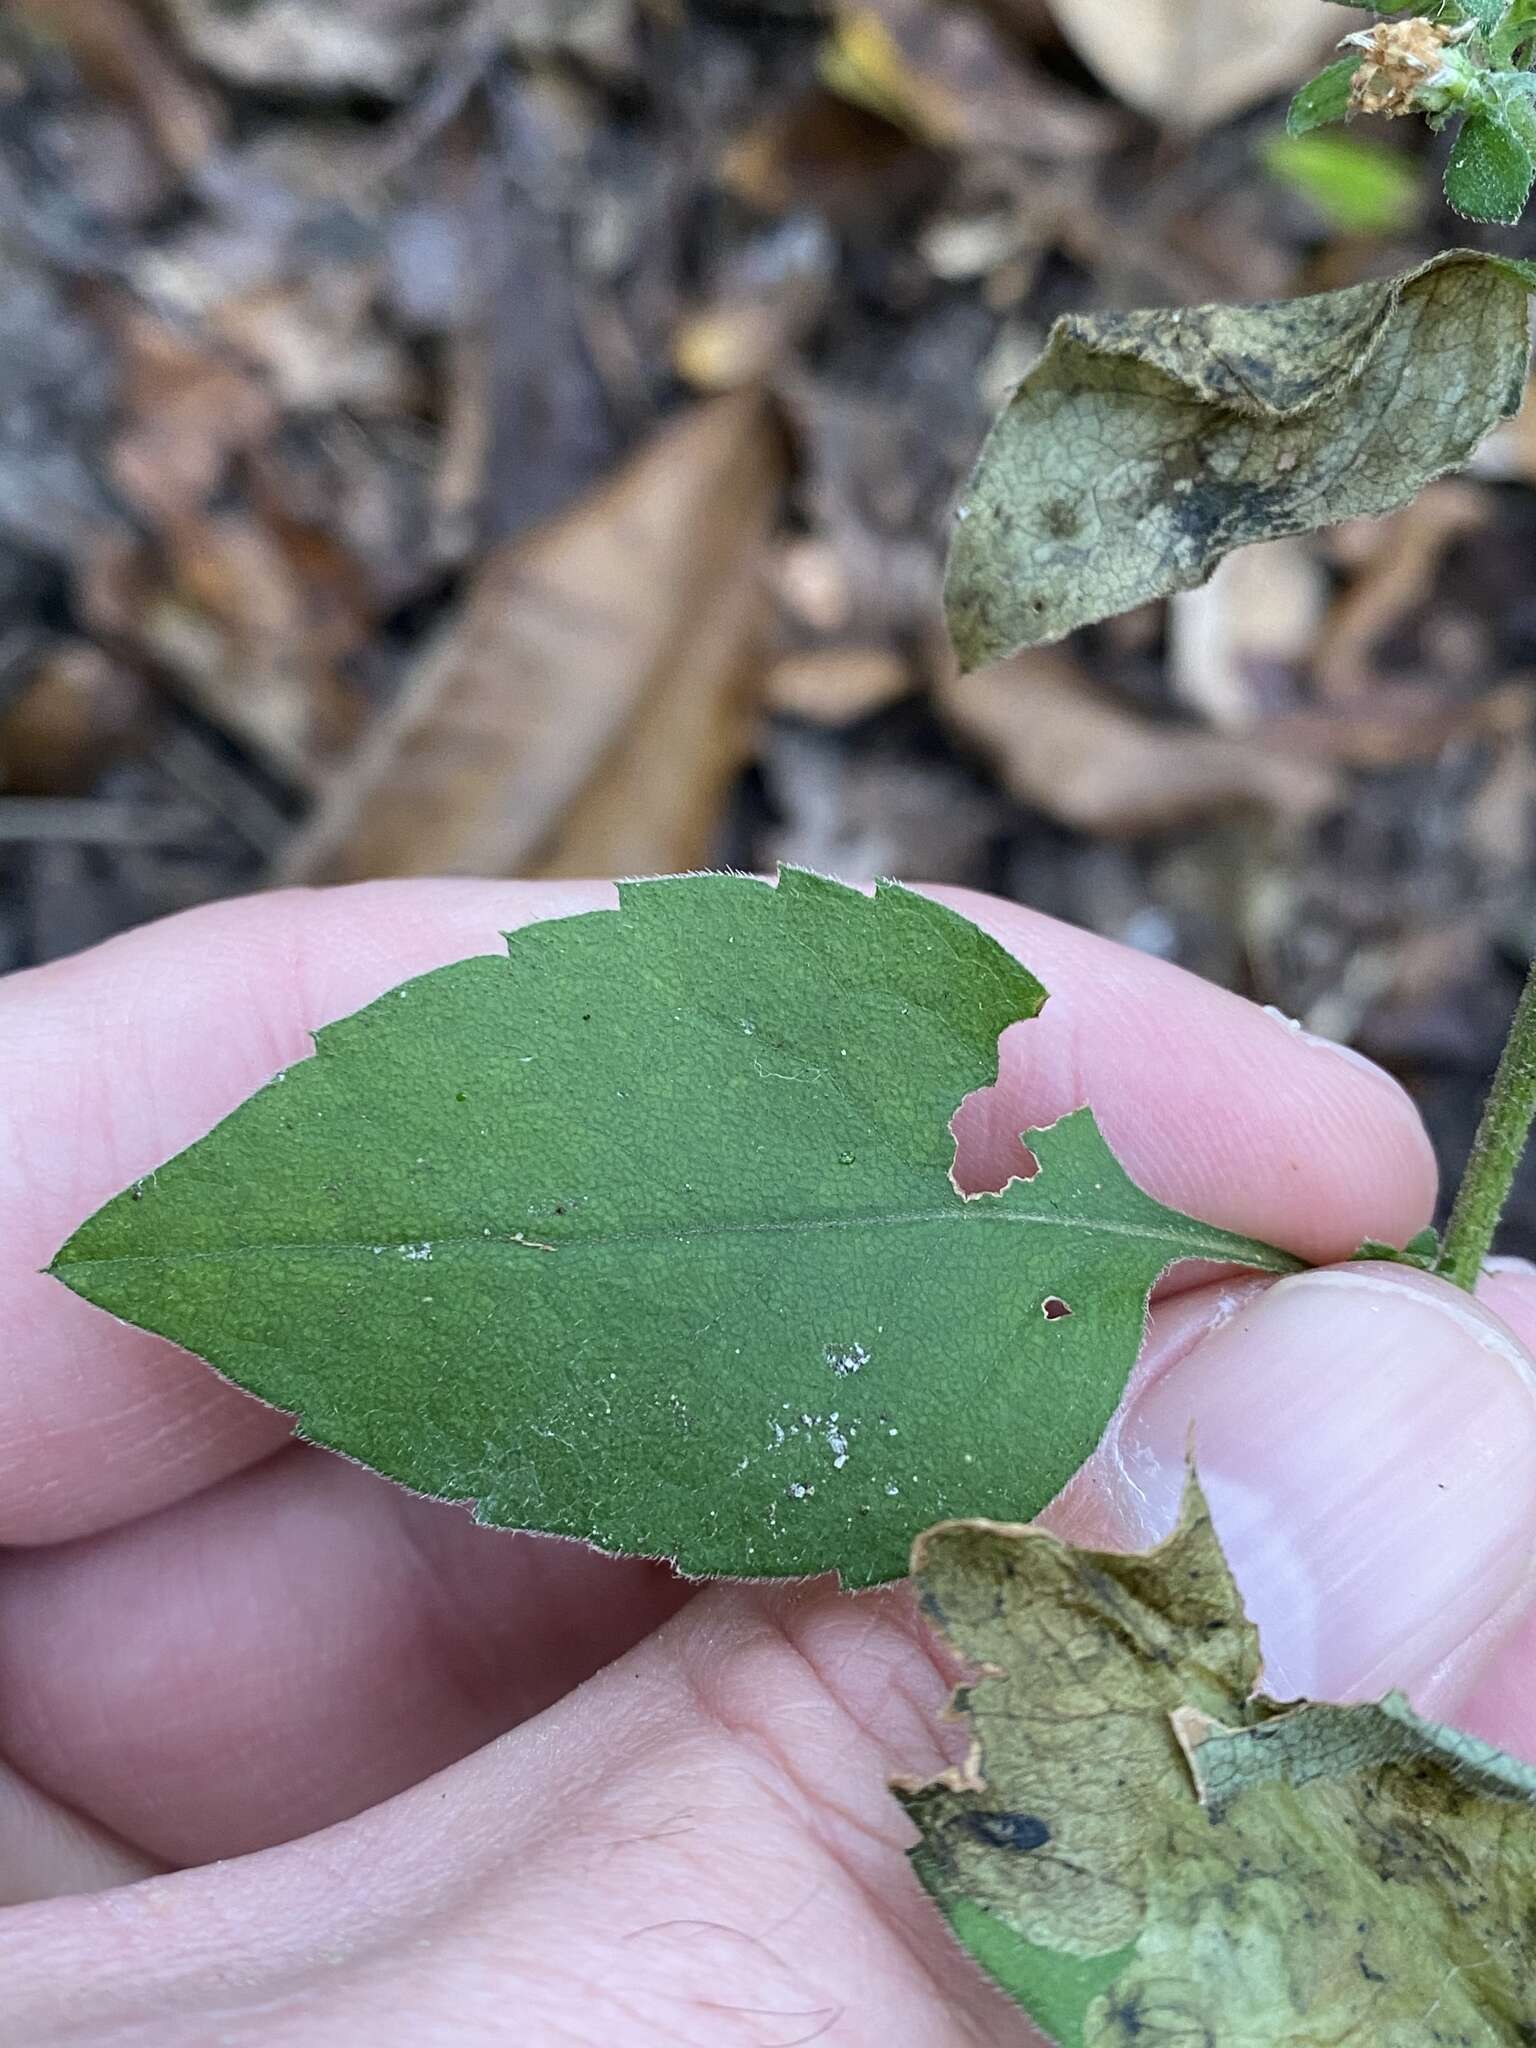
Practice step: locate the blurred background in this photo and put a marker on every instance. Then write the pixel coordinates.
(517, 437)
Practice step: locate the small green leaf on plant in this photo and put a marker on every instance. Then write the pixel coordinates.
(1421, 1251)
(1143, 447)
(645, 1233)
(1484, 14)
(1513, 32)
(1138, 1848)
(1324, 98)
(1493, 165)
(1359, 187)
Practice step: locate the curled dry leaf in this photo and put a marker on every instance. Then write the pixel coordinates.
(1143, 447)
(583, 711)
(1138, 1848)
(1059, 744)
(1190, 63)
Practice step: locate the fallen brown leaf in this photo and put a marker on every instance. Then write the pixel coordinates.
(1060, 745)
(376, 46)
(119, 51)
(186, 410)
(583, 711)
(1396, 559)
(1190, 63)
(1238, 644)
(837, 685)
(73, 715)
(946, 76)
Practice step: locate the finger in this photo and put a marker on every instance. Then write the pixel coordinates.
(120, 1057)
(1366, 1437)
(696, 1848)
(130, 1052)
(49, 1852)
(168, 1676)
(287, 1648)
(1500, 1704)
(1212, 1104)
(605, 1869)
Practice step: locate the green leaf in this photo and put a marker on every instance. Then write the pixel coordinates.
(646, 1234)
(1517, 27)
(1358, 187)
(1324, 98)
(1143, 447)
(1422, 1250)
(1139, 1849)
(1446, 13)
(1491, 169)
(1484, 14)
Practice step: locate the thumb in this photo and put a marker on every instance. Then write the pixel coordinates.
(1366, 1438)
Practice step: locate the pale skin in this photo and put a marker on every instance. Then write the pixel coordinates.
(289, 1757)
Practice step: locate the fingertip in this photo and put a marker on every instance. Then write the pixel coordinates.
(116, 1059)
(1507, 1287)
(1212, 1104)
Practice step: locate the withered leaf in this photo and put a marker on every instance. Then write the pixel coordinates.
(1143, 447)
(1139, 1848)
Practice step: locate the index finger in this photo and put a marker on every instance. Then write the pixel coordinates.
(124, 1055)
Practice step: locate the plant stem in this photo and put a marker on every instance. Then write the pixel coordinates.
(1496, 1149)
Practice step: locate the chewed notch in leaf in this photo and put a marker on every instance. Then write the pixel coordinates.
(1140, 1848)
(1143, 447)
(645, 1233)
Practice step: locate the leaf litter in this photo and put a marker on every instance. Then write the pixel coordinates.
(1141, 1847)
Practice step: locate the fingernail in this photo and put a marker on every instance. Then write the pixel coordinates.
(1367, 1442)
(1506, 1262)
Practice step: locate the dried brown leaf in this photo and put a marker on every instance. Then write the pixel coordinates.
(582, 709)
(1397, 565)
(69, 720)
(1190, 63)
(944, 74)
(1238, 642)
(186, 410)
(1061, 745)
(368, 46)
(119, 52)
(837, 685)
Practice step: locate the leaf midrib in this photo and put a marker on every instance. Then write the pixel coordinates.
(1226, 1248)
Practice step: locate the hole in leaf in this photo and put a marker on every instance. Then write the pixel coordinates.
(1053, 1308)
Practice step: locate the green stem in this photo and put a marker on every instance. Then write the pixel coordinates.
(1496, 1149)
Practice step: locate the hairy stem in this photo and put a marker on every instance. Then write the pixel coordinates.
(1496, 1149)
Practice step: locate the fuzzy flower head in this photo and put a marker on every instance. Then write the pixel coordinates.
(1401, 59)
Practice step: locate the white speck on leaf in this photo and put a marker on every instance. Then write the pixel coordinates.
(415, 1251)
(847, 1359)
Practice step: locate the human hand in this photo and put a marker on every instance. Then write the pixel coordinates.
(215, 1642)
